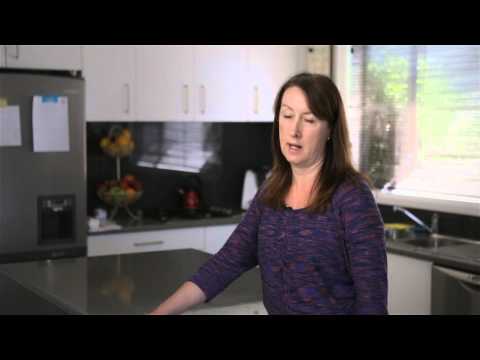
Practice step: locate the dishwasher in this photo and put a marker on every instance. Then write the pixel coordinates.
(454, 292)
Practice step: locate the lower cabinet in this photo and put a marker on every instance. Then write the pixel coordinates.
(255, 308)
(409, 285)
(217, 236)
(146, 241)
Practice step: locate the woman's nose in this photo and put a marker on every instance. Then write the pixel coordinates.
(296, 129)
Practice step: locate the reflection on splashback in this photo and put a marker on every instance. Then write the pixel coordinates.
(212, 157)
(180, 146)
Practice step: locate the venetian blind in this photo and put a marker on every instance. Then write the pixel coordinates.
(418, 108)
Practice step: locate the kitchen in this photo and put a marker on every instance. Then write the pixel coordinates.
(188, 109)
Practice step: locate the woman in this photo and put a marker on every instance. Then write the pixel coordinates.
(314, 227)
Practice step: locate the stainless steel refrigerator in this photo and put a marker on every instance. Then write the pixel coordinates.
(42, 193)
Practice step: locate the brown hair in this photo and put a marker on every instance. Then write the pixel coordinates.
(325, 102)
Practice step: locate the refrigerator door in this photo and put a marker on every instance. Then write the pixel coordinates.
(42, 194)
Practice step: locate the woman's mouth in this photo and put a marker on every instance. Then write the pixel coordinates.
(294, 148)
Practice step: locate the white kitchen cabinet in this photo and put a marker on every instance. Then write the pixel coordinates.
(268, 67)
(146, 241)
(191, 83)
(109, 73)
(47, 57)
(219, 77)
(185, 82)
(217, 236)
(165, 83)
(409, 285)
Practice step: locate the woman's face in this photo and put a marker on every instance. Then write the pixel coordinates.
(302, 135)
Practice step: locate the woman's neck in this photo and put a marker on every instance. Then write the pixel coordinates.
(304, 178)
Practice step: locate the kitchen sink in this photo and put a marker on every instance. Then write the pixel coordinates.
(432, 242)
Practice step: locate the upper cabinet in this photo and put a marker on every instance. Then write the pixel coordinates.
(186, 82)
(268, 66)
(109, 71)
(220, 72)
(164, 75)
(46, 57)
(191, 83)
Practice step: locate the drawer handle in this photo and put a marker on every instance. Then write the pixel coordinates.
(149, 243)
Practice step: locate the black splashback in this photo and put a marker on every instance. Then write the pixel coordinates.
(234, 148)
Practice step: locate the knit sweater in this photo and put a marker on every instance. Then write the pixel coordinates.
(331, 263)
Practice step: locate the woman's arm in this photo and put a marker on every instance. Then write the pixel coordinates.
(235, 257)
(187, 296)
(366, 250)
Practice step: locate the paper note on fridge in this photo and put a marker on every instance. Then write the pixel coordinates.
(10, 133)
(50, 124)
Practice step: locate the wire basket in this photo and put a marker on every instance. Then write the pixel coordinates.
(118, 143)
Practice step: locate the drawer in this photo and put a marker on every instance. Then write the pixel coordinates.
(146, 241)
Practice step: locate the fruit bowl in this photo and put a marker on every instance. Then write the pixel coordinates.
(120, 192)
(119, 142)
(118, 198)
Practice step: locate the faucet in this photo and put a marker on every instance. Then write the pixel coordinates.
(432, 230)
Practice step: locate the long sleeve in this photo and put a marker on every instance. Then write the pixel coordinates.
(239, 254)
(365, 247)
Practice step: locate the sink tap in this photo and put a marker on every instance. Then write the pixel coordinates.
(431, 230)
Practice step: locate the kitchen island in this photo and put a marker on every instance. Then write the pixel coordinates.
(130, 284)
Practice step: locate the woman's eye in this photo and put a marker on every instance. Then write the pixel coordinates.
(310, 121)
(287, 116)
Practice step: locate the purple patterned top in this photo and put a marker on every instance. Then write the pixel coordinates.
(334, 263)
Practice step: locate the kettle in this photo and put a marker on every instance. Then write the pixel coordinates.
(250, 188)
(190, 199)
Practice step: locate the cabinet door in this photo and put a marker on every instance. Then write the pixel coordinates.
(110, 84)
(49, 57)
(216, 237)
(220, 72)
(165, 82)
(409, 285)
(269, 66)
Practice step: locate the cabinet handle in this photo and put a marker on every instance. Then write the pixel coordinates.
(149, 243)
(185, 99)
(17, 52)
(255, 103)
(127, 102)
(203, 95)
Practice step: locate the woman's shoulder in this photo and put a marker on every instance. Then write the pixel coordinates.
(351, 188)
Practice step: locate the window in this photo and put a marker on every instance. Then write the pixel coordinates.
(418, 110)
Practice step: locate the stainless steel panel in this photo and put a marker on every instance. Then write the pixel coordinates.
(455, 292)
(26, 175)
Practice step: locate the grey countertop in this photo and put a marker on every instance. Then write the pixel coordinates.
(149, 224)
(124, 284)
(463, 256)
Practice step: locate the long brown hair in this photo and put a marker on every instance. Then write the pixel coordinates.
(326, 104)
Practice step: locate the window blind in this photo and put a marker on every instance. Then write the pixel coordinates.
(418, 110)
